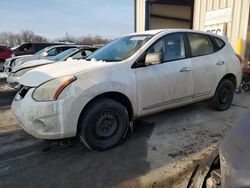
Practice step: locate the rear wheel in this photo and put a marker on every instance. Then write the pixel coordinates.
(103, 124)
(223, 97)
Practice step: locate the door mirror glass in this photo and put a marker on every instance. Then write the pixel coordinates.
(153, 58)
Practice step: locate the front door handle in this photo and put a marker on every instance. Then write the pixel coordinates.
(185, 69)
(220, 63)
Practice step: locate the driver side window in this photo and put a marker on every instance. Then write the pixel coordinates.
(171, 46)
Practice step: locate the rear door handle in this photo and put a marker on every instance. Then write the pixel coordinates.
(185, 69)
(220, 63)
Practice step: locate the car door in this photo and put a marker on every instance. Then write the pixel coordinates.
(206, 64)
(161, 86)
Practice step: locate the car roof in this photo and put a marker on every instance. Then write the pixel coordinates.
(157, 31)
(63, 45)
(149, 32)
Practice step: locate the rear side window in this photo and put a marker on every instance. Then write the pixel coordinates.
(219, 43)
(2, 50)
(200, 44)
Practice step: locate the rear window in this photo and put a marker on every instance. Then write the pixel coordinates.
(200, 44)
(219, 43)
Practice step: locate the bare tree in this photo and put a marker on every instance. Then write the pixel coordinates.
(27, 36)
(92, 40)
(10, 39)
(88, 40)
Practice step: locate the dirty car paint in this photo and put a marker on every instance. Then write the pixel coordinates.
(235, 154)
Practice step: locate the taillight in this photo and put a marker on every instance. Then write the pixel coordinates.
(240, 59)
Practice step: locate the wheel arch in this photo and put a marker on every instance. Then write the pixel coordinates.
(231, 77)
(117, 96)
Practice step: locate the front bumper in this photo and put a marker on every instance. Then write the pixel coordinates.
(44, 120)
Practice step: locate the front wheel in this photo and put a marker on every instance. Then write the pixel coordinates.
(223, 97)
(103, 124)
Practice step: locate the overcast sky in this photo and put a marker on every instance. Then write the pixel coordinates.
(53, 18)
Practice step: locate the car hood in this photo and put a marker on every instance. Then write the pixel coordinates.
(235, 155)
(26, 58)
(20, 56)
(32, 63)
(16, 57)
(42, 74)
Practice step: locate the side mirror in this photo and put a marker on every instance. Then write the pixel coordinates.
(69, 59)
(153, 58)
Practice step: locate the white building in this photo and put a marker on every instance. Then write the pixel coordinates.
(225, 17)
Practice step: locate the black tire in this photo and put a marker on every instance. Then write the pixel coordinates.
(223, 96)
(103, 124)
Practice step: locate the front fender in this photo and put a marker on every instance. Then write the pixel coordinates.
(77, 95)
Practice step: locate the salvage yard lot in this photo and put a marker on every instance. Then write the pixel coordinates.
(161, 152)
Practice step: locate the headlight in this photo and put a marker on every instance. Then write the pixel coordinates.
(51, 90)
(21, 72)
(17, 62)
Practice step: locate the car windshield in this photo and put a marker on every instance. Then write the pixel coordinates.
(64, 54)
(15, 47)
(120, 48)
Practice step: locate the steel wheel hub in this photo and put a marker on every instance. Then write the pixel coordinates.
(224, 96)
(105, 125)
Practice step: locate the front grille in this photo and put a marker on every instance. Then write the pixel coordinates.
(23, 91)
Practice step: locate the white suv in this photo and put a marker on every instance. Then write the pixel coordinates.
(133, 76)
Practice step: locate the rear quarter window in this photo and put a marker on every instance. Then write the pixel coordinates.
(219, 43)
(200, 44)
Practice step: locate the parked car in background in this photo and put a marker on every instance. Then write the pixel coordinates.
(70, 54)
(5, 53)
(31, 48)
(136, 75)
(46, 53)
(229, 166)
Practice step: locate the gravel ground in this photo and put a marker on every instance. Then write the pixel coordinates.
(162, 151)
(183, 137)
